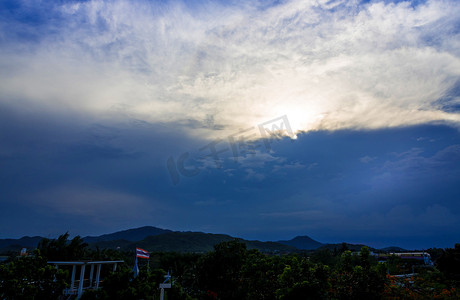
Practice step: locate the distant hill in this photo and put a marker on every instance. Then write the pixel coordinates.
(302, 243)
(17, 244)
(197, 242)
(116, 244)
(157, 239)
(393, 249)
(269, 247)
(135, 234)
(120, 238)
(182, 242)
(351, 247)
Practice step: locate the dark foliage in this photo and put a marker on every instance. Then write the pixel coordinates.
(231, 271)
(30, 277)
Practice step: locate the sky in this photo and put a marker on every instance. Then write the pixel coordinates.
(260, 119)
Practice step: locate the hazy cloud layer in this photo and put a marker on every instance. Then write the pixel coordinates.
(326, 64)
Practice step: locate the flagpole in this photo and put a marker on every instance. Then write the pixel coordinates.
(135, 268)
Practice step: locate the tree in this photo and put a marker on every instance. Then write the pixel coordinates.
(30, 277)
(310, 281)
(358, 279)
(62, 249)
(122, 285)
(324, 256)
(449, 262)
(346, 262)
(220, 270)
(260, 275)
(364, 255)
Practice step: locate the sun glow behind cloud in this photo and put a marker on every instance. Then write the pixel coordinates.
(326, 65)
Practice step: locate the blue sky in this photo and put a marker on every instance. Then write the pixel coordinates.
(97, 96)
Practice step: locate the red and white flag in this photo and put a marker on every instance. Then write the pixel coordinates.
(141, 253)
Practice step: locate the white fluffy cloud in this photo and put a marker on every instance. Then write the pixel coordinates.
(326, 65)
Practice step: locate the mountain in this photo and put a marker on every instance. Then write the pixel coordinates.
(115, 244)
(17, 244)
(182, 242)
(302, 243)
(123, 238)
(393, 249)
(157, 239)
(269, 247)
(351, 247)
(197, 242)
(135, 234)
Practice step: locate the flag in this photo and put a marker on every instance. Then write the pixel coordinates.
(135, 268)
(141, 253)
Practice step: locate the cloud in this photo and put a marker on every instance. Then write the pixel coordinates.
(253, 175)
(326, 65)
(97, 204)
(414, 163)
(95, 96)
(366, 159)
(290, 166)
(398, 221)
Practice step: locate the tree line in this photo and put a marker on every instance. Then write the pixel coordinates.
(231, 271)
